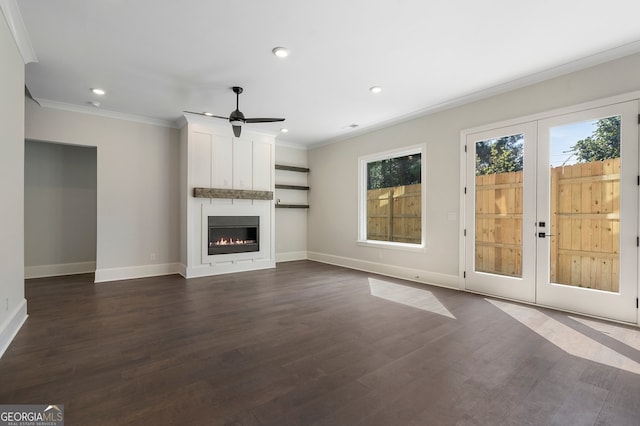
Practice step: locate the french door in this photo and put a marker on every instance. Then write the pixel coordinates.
(552, 212)
(587, 249)
(500, 211)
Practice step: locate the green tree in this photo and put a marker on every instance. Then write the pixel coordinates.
(396, 171)
(604, 142)
(499, 155)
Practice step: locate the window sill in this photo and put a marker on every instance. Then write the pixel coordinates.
(416, 248)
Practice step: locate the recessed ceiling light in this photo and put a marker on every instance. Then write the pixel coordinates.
(353, 125)
(375, 89)
(95, 104)
(208, 114)
(97, 91)
(284, 130)
(280, 52)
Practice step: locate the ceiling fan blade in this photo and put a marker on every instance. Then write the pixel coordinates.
(207, 115)
(262, 120)
(236, 118)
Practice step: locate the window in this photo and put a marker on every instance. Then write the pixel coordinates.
(391, 198)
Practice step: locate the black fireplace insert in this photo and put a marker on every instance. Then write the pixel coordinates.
(233, 234)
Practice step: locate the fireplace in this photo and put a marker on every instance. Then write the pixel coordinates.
(233, 234)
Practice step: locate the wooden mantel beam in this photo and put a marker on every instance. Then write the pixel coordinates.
(232, 193)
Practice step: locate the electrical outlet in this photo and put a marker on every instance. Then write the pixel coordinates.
(153, 257)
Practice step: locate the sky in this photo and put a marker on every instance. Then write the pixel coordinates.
(564, 137)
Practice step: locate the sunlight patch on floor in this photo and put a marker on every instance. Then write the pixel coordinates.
(566, 338)
(627, 336)
(410, 296)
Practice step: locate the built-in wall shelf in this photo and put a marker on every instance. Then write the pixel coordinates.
(292, 168)
(298, 187)
(294, 187)
(292, 206)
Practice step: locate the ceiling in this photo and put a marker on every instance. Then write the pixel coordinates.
(156, 58)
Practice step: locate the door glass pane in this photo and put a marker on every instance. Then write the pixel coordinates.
(498, 215)
(585, 204)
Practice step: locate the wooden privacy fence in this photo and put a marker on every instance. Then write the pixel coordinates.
(395, 214)
(499, 223)
(585, 224)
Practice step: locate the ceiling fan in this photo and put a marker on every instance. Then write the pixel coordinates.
(237, 118)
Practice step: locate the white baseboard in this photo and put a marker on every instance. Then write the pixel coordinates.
(133, 272)
(182, 270)
(410, 274)
(60, 269)
(11, 327)
(228, 268)
(290, 256)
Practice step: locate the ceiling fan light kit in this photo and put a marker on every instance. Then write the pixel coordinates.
(237, 118)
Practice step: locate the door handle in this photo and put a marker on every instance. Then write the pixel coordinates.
(543, 235)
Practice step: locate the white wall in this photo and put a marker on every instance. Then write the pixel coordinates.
(333, 217)
(13, 307)
(138, 188)
(291, 224)
(59, 209)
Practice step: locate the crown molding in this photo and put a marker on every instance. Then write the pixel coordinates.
(292, 145)
(45, 103)
(12, 15)
(531, 79)
(181, 122)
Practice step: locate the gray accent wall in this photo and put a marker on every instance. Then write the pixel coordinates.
(60, 205)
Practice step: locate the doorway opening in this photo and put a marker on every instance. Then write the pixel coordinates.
(60, 209)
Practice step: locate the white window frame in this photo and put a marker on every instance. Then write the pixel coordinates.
(362, 197)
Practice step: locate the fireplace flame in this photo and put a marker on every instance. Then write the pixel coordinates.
(232, 242)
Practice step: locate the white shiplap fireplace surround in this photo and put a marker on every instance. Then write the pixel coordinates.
(211, 157)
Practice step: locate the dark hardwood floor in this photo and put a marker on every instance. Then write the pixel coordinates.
(307, 343)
